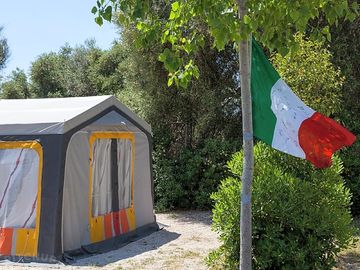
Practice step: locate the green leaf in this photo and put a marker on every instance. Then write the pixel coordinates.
(196, 72)
(294, 14)
(99, 20)
(94, 10)
(139, 26)
(170, 81)
(108, 13)
(326, 32)
(121, 18)
(175, 6)
(172, 15)
(351, 17)
(247, 19)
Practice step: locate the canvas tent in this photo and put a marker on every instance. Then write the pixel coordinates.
(75, 174)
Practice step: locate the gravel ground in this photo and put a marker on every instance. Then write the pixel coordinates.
(183, 243)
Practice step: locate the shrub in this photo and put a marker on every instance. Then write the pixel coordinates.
(187, 179)
(312, 76)
(301, 217)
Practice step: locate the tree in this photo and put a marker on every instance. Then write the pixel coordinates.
(4, 50)
(181, 24)
(81, 71)
(345, 47)
(271, 22)
(313, 77)
(16, 86)
(199, 127)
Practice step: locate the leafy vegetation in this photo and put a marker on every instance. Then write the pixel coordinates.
(301, 216)
(195, 131)
(16, 85)
(188, 179)
(183, 25)
(312, 76)
(345, 47)
(4, 50)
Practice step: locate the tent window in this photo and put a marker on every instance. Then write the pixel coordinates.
(19, 172)
(124, 153)
(112, 175)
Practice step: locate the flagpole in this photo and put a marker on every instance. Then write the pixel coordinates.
(248, 143)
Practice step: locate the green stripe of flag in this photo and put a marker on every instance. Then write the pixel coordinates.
(263, 77)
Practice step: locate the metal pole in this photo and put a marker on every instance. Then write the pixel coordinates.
(248, 167)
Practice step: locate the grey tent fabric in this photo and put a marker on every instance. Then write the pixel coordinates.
(56, 115)
(75, 174)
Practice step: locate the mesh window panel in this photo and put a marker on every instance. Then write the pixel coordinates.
(112, 175)
(19, 170)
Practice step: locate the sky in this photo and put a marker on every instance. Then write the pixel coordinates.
(41, 26)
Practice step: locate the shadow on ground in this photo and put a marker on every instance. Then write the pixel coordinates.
(193, 216)
(348, 261)
(151, 242)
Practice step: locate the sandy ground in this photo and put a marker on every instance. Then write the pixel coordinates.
(183, 243)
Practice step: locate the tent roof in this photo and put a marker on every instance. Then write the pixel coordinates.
(55, 115)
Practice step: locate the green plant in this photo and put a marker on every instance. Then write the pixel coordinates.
(301, 216)
(186, 179)
(168, 191)
(311, 74)
(345, 47)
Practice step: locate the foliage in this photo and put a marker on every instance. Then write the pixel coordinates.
(16, 86)
(4, 50)
(180, 25)
(209, 108)
(312, 76)
(65, 73)
(186, 180)
(194, 130)
(345, 47)
(81, 71)
(301, 216)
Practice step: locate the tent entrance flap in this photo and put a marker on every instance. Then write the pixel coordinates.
(111, 192)
(20, 197)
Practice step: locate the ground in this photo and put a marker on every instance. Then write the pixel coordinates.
(183, 243)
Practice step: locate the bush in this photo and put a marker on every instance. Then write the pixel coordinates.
(351, 174)
(301, 216)
(187, 179)
(312, 76)
(345, 47)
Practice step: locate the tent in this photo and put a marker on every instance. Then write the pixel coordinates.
(75, 175)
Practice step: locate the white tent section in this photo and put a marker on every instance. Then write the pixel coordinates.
(55, 115)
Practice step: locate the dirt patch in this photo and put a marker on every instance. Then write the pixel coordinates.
(183, 243)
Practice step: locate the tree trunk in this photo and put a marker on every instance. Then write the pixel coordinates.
(248, 167)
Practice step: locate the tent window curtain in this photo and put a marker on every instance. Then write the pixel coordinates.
(112, 175)
(124, 148)
(19, 169)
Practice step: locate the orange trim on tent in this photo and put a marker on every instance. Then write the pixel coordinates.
(123, 221)
(108, 226)
(6, 235)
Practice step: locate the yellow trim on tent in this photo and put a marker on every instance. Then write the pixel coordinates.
(96, 223)
(27, 239)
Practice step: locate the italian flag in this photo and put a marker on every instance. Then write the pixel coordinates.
(283, 121)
